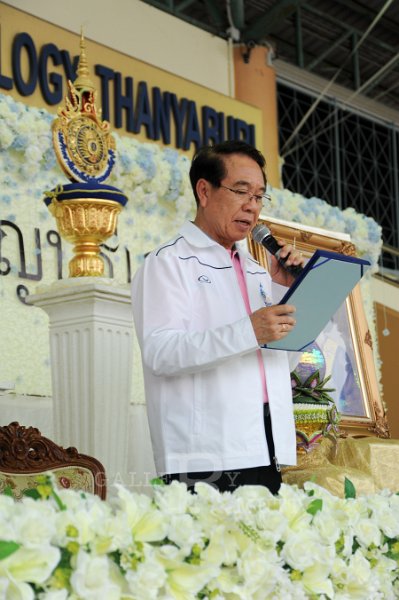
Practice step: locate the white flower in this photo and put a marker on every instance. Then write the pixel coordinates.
(33, 565)
(367, 533)
(185, 580)
(16, 590)
(254, 494)
(293, 508)
(384, 572)
(353, 577)
(33, 154)
(303, 549)
(4, 585)
(316, 580)
(184, 531)
(6, 135)
(260, 571)
(326, 526)
(54, 595)
(147, 579)
(223, 547)
(84, 518)
(271, 523)
(145, 521)
(385, 510)
(172, 499)
(34, 522)
(95, 577)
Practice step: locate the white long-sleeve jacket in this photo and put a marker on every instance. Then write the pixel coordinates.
(201, 372)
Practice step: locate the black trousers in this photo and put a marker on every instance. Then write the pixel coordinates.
(228, 481)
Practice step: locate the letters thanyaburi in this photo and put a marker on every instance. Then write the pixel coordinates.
(136, 108)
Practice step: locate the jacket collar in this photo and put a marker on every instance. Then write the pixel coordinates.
(196, 237)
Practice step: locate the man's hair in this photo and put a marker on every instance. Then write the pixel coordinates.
(208, 162)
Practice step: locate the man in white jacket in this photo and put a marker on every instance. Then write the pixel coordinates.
(219, 406)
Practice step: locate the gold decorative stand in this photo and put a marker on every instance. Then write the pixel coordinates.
(86, 223)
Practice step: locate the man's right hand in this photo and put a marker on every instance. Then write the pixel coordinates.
(273, 322)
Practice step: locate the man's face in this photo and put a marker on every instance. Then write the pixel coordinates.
(224, 215)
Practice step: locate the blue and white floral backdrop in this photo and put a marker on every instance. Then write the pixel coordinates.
(160, 199)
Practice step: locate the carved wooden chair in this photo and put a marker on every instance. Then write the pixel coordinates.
(25, 453)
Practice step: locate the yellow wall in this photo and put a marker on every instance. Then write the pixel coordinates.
(135, 28)
(255, 83)
(14, 22)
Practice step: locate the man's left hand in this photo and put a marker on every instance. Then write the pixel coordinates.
(277, 271)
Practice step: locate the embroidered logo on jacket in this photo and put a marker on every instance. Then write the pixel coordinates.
(267, 301)
(204, 279)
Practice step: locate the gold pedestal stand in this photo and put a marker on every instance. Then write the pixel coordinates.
(86, 223)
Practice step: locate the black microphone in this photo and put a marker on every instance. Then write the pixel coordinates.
(262, 235)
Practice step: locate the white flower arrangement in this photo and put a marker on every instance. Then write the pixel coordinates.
(245, 545)
(155, 178)
(365, 233)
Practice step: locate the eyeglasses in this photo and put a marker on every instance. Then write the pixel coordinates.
(244, 196)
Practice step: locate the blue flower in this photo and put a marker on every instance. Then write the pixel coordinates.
(308, 208)
(49, 158)
(175, 183)
(350, 225)
(20, 142)
(171, 156)
(374, 231)
(145, 160)
(126, 161)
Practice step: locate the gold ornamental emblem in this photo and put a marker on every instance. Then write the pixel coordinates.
(84, 147)
(86, 144)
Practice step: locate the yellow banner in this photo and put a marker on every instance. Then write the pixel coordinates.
(37, 59)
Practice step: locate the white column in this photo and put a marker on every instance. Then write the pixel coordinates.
(91, 331)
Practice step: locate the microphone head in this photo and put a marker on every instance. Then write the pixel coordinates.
(259, 233)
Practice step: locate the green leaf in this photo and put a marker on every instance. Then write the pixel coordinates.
(350, 491)
(315, 506)
(58, 500)
(8, 491)
(32, 493)
(8, 548)
(157, 481)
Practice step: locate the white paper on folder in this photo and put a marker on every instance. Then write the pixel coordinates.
(326, 281)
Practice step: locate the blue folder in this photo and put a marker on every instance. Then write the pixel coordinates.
(326, 281)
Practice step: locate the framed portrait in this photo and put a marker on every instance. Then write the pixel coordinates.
(345, 343)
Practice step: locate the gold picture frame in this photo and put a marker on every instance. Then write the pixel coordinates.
(346, 337)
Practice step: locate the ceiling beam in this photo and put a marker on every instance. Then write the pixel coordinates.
(326, 17)
(183, 5)
(368, 85)
(262, 27)
(387, 91)
(324, 54)
(368, 13)
(215, 14)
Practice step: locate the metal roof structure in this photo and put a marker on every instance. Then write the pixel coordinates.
(353, 42)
